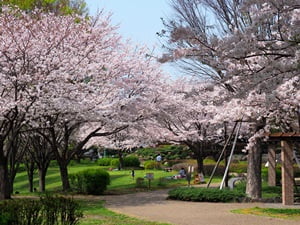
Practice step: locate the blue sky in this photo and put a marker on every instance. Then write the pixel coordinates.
(138, 20)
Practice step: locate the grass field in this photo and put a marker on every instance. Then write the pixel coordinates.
(271, 212)
(121, 181)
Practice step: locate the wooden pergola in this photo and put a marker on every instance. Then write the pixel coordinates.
(287, 141)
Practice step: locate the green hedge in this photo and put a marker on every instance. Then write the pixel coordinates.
(48, 210)
(205, 194)
(131, 161)
(91, 181)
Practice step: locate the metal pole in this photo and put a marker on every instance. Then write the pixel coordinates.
(220, 157)
(230, 157)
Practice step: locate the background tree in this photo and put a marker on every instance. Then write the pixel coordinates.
(187, 113)
(58, 7)
(250, 48)
(59, 74)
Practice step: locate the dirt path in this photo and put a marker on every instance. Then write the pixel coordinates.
(153, 206)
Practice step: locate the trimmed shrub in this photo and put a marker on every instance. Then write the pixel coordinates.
(92, 181)
(46, 211)
(151, 164)
(104, 161)
(131, 161)
(21, 212)
(205, 195)
(60, 209)
(115, 163)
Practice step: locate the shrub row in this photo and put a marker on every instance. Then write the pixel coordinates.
(129, 161)
(91, 181)
(205, 194)
(48, 210)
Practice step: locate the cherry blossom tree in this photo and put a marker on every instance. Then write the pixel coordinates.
(250, 48)
(136, 101)
(184, 114)
(59, 73)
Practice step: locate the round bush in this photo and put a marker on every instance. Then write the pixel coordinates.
(131, 161)
(92, 181)
(151, 164)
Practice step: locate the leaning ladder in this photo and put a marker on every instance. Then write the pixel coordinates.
(230, 157)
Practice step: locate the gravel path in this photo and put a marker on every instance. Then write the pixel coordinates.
(153, 206)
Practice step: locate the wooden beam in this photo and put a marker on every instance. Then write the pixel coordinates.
(272, 164)
(287, 173)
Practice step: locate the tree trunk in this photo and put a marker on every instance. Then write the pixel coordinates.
(63, 168)
(253, 188)
(4, 179)
(200, 163)
(12, 175)
(42, 179)
(30, 171)
(196, 148)
(121, 160)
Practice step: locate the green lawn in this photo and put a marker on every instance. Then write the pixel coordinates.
(53, 182)
(121, 181)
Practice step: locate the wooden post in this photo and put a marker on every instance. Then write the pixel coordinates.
(287, 173)
(271, 164)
